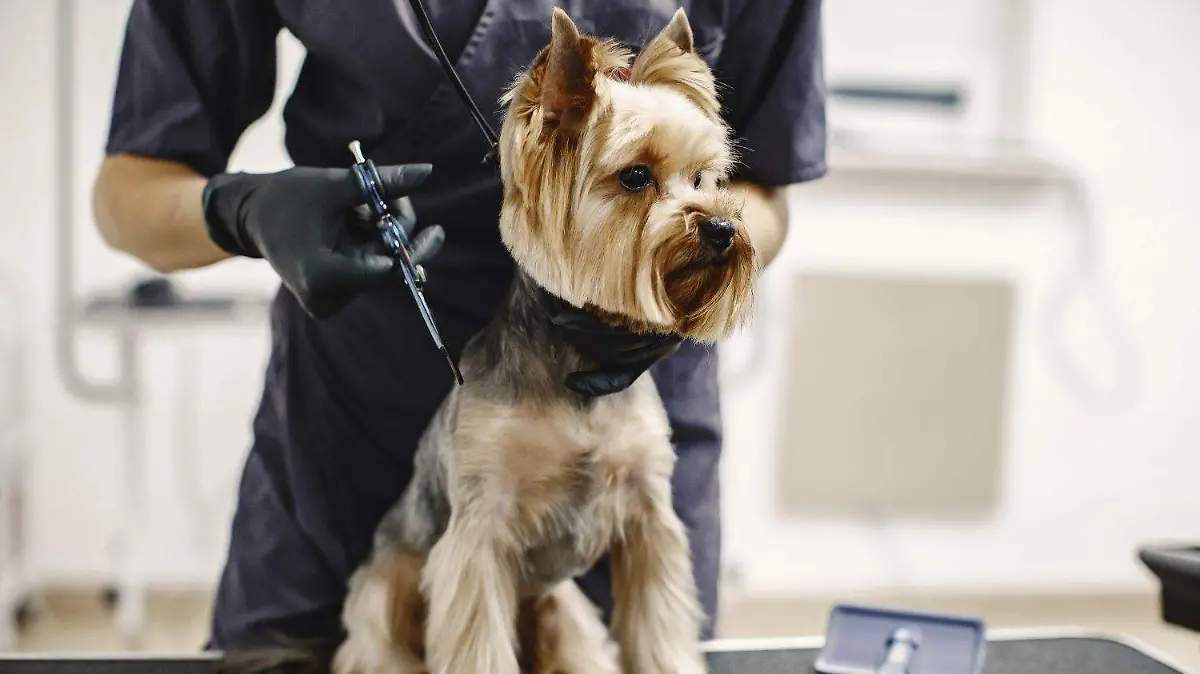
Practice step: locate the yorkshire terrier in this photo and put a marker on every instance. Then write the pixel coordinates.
(614, 172)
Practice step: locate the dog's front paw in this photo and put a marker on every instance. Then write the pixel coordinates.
(692, 663)
(677, 662)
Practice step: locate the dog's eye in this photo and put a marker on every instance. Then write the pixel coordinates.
(699, 179)
(636, 178)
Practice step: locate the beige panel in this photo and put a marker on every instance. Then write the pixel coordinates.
(895, 396)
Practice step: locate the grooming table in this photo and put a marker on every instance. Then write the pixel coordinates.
(1009, 652)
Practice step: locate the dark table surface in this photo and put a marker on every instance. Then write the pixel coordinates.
(1076, 654)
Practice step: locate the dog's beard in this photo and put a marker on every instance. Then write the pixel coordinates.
(706, 294)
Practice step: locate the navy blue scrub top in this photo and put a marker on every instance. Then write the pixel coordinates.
(344, 400)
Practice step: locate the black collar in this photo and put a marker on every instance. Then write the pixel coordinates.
(550, 303)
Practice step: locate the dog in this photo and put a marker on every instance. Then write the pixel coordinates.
(613, 171)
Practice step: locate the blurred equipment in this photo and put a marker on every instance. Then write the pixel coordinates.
(857, 344)
(155, 292)
(950, 98)
(918, 125)
(1082, 278)
(914, 127)
(150, 304)
(1177, 568)
(864, 640)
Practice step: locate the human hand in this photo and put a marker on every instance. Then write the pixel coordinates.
(313, 227)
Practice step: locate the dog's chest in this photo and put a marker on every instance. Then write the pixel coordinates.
(577, 477)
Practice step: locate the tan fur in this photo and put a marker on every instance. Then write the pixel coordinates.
(671, 61)
(565, 635)
(513, 503)
(541, 485)
(560, 631)
(652, 578)
(384, 618)
(569, 224)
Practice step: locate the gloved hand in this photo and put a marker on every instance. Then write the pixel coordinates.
(621, 356)
(312, 225)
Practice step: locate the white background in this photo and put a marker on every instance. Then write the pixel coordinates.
(1112, 91)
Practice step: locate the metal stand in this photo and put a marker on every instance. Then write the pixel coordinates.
(128, 322)
(122, 391)
(130, 596)
(130, 325)
(15, 581)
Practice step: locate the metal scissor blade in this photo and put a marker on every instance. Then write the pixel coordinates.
(413, 280)
(396, 240)
(453, 368)
(431, 326)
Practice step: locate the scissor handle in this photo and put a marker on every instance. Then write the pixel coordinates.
(371, 187)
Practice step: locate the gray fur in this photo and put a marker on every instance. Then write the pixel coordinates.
(516, 357)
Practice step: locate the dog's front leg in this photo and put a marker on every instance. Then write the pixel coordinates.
(470, 585)
(657, 615)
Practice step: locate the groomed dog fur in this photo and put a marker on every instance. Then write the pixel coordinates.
(614, 200)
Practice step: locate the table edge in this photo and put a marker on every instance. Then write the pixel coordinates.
(726, 645)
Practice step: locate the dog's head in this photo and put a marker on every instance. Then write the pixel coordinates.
(614, 174)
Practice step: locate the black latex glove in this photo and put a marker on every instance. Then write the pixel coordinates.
(312, 225)
(620, 355)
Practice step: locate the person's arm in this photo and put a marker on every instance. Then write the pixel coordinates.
(777, 109)
(765, 216)
(151, 209)
(191, 78)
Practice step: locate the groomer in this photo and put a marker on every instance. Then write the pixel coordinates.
(353, 377)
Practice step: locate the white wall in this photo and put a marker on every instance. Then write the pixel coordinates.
(1081, 487)
(1114, 94)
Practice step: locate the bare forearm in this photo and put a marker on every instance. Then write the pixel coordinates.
(765, 216)
(151, 209)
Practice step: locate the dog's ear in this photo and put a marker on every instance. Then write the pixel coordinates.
(672, 42)
(671, 60)
(568, 84)
(679, 32)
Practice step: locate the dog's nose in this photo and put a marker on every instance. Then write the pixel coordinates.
(718, 232)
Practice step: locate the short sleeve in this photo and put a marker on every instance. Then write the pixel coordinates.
(771, 71)
(192, 77)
